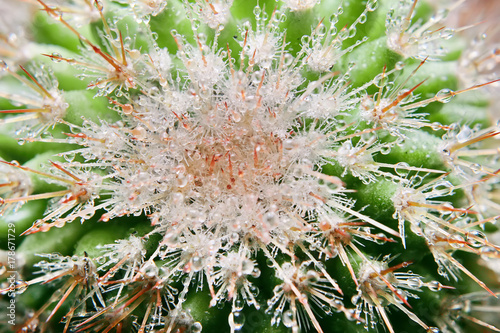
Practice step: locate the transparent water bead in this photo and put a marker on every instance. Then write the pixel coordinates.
(287, 318)
(445, 95)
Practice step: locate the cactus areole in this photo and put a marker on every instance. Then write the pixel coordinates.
(242, 166)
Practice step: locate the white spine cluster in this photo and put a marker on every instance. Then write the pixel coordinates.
(224, 155)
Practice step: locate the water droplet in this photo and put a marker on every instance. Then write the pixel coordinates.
(247, 266)
(488, 252)
(254, 290)
(401, 169)
(445, 95)
(101, 84)
(312, 276)
(399, 65)
(362, 18)
(352, 32)
(182, 181)
(269, 263)
(170, 239)
(186, 281)
(476, 168)
(238, 305)
(257, 11)
(196, 327)
(177, 198)
(434, 286)
(238, 320)
(414, 282)
(381, 239)
(304, 40)
(371, 5)
(271, 219)
(287, 318)
(234, 237)
(21, 286)
(100, 260)
(236, 116)
(456, 241)
(385, 149)
(380, 80)
(436, 126)
(288, 144)
(197, 264)
(321, 30)
(56, 57)
(447, 33)
(150, 270)
(476, 238)
(69, 157)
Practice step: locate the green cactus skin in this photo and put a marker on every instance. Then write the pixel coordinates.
(234, 166)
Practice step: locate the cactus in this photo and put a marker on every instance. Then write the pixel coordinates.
(243, 166)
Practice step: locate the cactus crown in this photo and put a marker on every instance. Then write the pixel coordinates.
(295, 165)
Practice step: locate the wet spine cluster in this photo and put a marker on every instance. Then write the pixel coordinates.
(266, 162)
